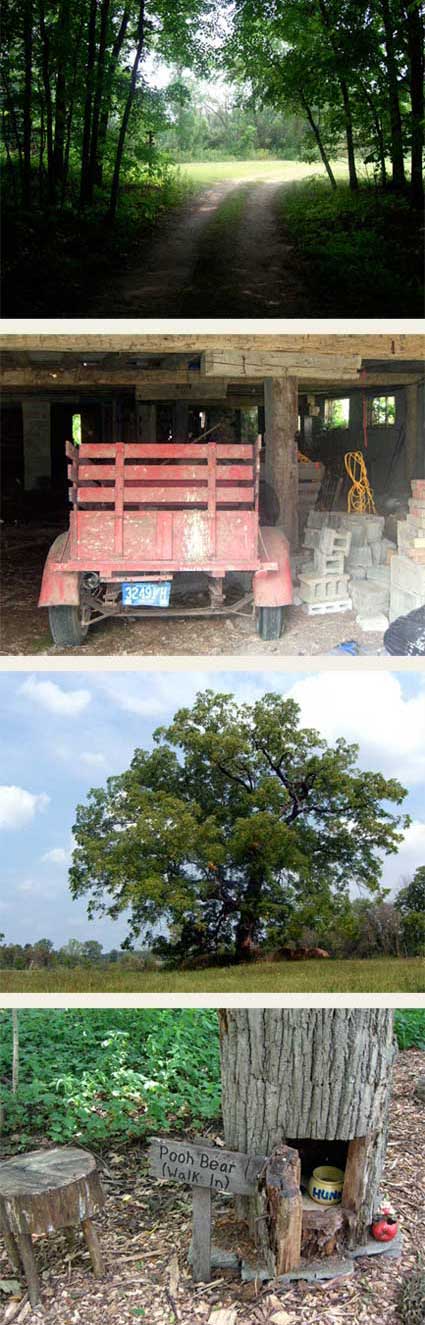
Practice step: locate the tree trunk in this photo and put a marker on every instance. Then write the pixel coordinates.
(304, 1076)
(354, 183)
(91, 55)
(45, 65)
(15, 1051)
(127, 111)
(100, 75)
(62, 48)
(399, 178)
(281, 456)
(317, 135)
(28, 19)
(107, 93)
(415, 41)
(379, 134)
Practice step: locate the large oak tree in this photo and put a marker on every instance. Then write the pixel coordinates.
(236, 825)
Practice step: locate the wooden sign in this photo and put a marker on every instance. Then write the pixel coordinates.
(207, 1169)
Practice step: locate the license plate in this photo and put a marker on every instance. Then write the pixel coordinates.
(146, 594)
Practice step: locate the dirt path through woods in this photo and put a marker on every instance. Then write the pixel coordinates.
(224, 255)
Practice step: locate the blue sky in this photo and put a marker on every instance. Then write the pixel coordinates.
(64, 732)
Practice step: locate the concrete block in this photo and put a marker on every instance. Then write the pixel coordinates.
(374, 527)
(402, 602)
(387, 549)
(331, 1267)
(311, 537)
(328, 563)
(369, 598)
(380, 575)
(376, 623)
(359, 556)
(323, 588)
(325, 609)
(407, 576)
(417, 507)
(353, 524)
(316, 519)
(334, 540)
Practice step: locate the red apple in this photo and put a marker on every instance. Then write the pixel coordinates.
(384, 1229)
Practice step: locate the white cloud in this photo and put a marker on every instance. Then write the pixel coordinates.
(27, 886)
(368, 708)
(93, 759)
(398, 869)
(18, 807)
(50, 696)
(57, 856)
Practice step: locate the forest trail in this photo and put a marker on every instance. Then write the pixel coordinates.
(224, 255)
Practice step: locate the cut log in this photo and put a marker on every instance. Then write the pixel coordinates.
(280, 1211)
(43, 1191)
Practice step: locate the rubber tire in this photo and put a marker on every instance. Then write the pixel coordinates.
(270, 622)
(66, 627)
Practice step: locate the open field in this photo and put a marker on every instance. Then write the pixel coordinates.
(379, 975)
(262, 172)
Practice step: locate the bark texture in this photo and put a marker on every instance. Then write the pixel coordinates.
(311, 1073)
(281, 458)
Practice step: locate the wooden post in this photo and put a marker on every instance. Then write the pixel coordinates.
(26, 1253)
(412, 430)
(280, 1211)
(201, 1234)
(146, 420)
(281, 458)
(180, 421)
(93, 1244)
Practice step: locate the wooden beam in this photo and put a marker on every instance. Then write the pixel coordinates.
(281, 458)
(255, 362)
(412, 422)
(380, 345)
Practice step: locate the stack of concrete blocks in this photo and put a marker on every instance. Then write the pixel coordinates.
(323, 582)
(310, 477)
(408, 565)
(366, 567)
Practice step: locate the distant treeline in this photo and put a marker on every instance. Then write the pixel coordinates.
(369, 929)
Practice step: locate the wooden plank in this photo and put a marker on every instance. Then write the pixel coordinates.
(280, 1223)
(266, 363)
(387, 345)
(168, 495)
(201, 1234)
(204, 1166)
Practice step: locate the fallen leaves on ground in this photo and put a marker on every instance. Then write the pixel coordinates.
(145, 1232)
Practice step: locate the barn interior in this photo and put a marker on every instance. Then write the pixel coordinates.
(311, 399)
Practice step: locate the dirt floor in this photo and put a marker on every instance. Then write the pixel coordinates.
(223, 255)
(25, 628)
(145, 1232)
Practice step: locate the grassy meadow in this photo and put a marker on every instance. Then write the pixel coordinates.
(260, 172)
(404, 975)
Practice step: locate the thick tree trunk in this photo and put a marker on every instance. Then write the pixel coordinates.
(399, 178)
(127, 112)
(415, 41)
(318, 1075)
(281, 458)
(317, 135)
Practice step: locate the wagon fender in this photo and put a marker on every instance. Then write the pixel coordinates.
(59, 587)
(273, 588)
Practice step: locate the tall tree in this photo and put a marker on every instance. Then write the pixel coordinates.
(140, 38)
(413, 11)
(253, 818)
(28, 46)
(397, 150)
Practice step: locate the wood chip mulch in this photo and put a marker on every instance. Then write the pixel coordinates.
(145, 1232)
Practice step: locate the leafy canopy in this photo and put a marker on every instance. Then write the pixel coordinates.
(237, 820)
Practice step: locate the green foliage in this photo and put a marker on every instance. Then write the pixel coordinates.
(409, 1025)
(95, 1074)
(363, 250)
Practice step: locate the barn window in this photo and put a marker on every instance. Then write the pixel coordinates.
(336, 413)
(76, 429)
(381, 411)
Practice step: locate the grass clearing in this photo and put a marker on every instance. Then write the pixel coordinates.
(377, 975)
(260, 172)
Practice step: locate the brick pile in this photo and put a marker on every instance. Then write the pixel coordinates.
(407, 583)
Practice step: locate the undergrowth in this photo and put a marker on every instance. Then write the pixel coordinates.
(364, 250)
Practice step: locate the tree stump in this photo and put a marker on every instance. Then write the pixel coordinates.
(43, 1191)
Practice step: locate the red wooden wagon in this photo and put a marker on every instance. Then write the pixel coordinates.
(141, 512)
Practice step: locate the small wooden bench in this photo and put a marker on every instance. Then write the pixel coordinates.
(46, 1190)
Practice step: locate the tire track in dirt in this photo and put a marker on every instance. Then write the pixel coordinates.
(213, 260)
